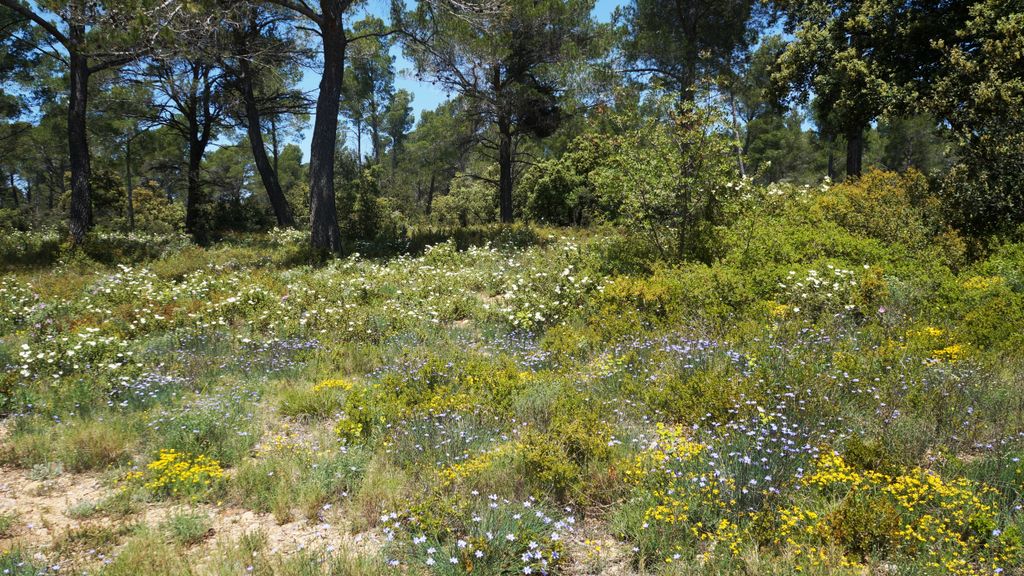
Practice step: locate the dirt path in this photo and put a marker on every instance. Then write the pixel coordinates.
(45, 520)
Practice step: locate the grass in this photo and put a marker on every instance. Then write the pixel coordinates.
(187, 528)
(8, 521)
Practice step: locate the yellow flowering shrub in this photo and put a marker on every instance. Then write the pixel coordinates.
(477, 464)
(950, 354)
(176, 473)
(680, 501)
(948, 525)
(839, 515)
(349, 431)
(333, 384)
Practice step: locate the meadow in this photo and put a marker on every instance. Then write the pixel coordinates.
(841, 391)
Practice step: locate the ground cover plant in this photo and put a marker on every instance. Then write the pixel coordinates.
(800, 405)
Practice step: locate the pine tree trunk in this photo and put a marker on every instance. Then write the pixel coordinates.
(194, 196)
(80, 218)
(505, 170)
(14, 190)
(854, 153)
(325, 234)
(282, 211)
(128, 183)
(430, 193)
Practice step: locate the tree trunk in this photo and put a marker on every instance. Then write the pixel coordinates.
(80, 218)
(273, 142)
(359, 141)
(325, 235)
(375, 131)
(129, 187)
(505, 170)
(14, 191)
(282, 211)
(430, 193)
(736, 132)
(854, 152)
(831, 158)
(194, 197)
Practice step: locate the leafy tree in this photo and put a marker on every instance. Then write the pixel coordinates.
(503, 57)
(398, 120)
(685, 41)
(369, 83)
(89, 37)
(262, 65)
(862, 59)
(436, 150)
(980, 94)
(669, 176)
(913, 142)
(190, 98)
(330, 26)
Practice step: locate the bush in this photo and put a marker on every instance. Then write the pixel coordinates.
(670, 178)
(469, 202)
(37, 248)
(883, 205)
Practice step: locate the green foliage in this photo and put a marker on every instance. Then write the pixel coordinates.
(469, 202)
(688, 42)
(882, 205)
(980, 93)
(670, 180)
(187, 528)
(560, 190)
(288, 478)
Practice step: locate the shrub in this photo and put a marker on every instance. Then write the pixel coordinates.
(321, 401)
(482, 535)
(670, 178)
(880, 205)
(179, 475)
(187, 528)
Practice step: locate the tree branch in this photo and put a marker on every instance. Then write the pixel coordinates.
(42, 22)
(299, 7)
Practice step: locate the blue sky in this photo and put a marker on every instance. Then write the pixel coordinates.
(426, 95)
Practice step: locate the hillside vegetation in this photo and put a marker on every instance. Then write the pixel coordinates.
(838, 392)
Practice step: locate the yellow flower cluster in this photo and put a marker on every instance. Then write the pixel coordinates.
(982, 283)
(476, 464)
(176, 473)
(333, 384)
(446, 401)
(946, 522)
(672, 445)
(682, 493)
(349, 431)
(950, 354)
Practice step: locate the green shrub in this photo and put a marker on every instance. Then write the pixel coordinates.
(880, 205)
(187, 528)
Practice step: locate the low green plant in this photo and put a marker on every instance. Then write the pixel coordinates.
(187, 528)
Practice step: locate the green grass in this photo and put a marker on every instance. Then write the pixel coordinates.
(187, 528)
